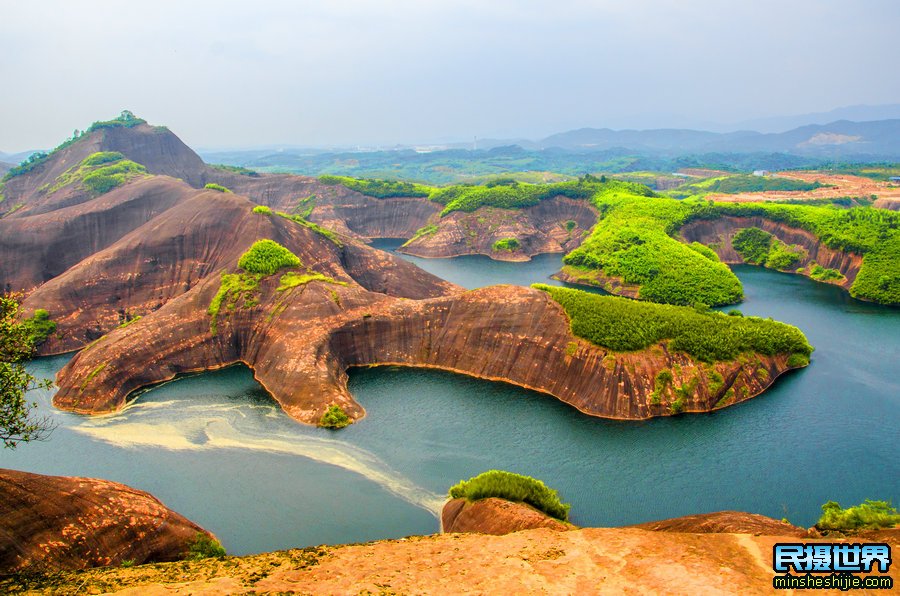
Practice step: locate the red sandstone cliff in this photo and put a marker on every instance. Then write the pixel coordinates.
(538, 229)
(50, 523)
(717, 235)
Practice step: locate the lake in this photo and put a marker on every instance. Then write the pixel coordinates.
(217, 449)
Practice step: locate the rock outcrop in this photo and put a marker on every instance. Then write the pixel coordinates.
(52, 523)
(717, 234)
(725, 522)
(543, 228)
(495, 516)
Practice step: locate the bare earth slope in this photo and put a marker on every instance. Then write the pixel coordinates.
(538, 561)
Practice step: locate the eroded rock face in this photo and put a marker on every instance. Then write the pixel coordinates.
(495, 516)
(717, 234)
(52, 523)
(539, 229)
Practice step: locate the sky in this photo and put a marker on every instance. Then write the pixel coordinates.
(223, 73)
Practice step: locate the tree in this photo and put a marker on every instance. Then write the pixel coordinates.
(17, 421)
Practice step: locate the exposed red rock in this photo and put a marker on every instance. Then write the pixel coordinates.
(538, 229)
(495, 516)
(37, 248)
(725, 522)
(717, 235)
(51, 523)
(156, 248)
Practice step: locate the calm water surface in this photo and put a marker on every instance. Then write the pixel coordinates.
(216, 448)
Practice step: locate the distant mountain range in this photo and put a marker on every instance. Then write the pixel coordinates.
(841, 139)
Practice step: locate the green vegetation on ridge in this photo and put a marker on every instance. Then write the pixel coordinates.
(867, 515)
(99, 173)
(512, 487)
(624, 325)
(126, 120)
(633, 241)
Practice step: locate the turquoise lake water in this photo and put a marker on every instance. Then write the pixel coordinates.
(216, 448)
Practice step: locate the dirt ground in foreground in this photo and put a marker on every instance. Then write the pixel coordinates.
(539, 561)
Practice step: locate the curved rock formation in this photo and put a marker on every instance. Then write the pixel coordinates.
(495, 516)
(300, 343)
(538, 229)
(39, 247)
(51, 523)
(725, 522)
(717, 235)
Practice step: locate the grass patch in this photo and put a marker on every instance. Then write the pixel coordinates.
(334, 418)
(262, 209)
(624, 325)
(292, 280)
(99, 173)
(867, 515)
(426, 230)
(234, 288)
(506, 244)
(314, 227)
(512, 487)
(218, 187)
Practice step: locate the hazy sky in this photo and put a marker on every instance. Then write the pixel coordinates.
(230, 73)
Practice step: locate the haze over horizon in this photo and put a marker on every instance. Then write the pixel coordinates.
(225, 74)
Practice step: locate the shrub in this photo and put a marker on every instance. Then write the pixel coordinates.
(218, 187)
(823, 274)
(507, 244)
(512, 487)
(752, 244)
(204, 547)
(334, 417)
(783, 256)
(621, 324)
(39, 326)
(867, 515)
(262, 209)
(570, 225)
(266, 257)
